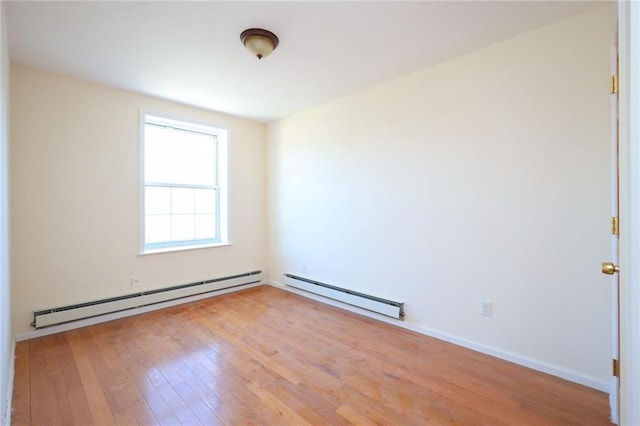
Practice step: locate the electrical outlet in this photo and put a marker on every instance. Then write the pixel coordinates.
(486, 308)
(134, 281)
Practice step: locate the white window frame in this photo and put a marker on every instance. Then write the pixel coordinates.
(222, 188)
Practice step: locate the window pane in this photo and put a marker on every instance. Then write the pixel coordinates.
(205, 226)
(157, 200)
(181, 205)
(182, 227)
(157, 228)
(205, 201)
(179, 157)
(182, 200)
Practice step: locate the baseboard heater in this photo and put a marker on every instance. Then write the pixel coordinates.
(63, 314)
(361, 300)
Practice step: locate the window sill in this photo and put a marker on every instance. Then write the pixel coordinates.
(183, 248)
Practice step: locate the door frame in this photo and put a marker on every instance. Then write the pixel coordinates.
(629, 110)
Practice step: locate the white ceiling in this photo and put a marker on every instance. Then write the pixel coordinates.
(190, 52)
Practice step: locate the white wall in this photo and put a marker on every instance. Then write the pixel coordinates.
(485, 177)
(75, 195)
(6, 334)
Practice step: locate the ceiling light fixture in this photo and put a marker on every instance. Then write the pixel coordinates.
(259, 42)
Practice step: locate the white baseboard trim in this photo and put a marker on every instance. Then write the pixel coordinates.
(543, 367)
(123, 314)
(12, 372)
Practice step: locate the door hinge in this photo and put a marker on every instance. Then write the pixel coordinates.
(616, 368)
(615, 227)
(614, 84)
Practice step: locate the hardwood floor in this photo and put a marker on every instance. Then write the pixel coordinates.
(266, 356)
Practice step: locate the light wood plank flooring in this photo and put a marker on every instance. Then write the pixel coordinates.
(266, 356)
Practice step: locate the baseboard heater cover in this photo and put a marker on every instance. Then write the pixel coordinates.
(361, 300)
(64, 314)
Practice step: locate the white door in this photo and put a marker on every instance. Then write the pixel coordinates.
(610, 267)
(629, 137)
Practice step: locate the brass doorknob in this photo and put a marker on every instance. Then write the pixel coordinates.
(609, 268)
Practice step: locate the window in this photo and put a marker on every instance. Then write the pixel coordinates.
(184, 172)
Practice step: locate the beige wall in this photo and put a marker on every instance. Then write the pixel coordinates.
(75, 195)
(485, 177)
(6, 335)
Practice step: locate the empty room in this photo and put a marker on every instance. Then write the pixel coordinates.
(319, 213)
